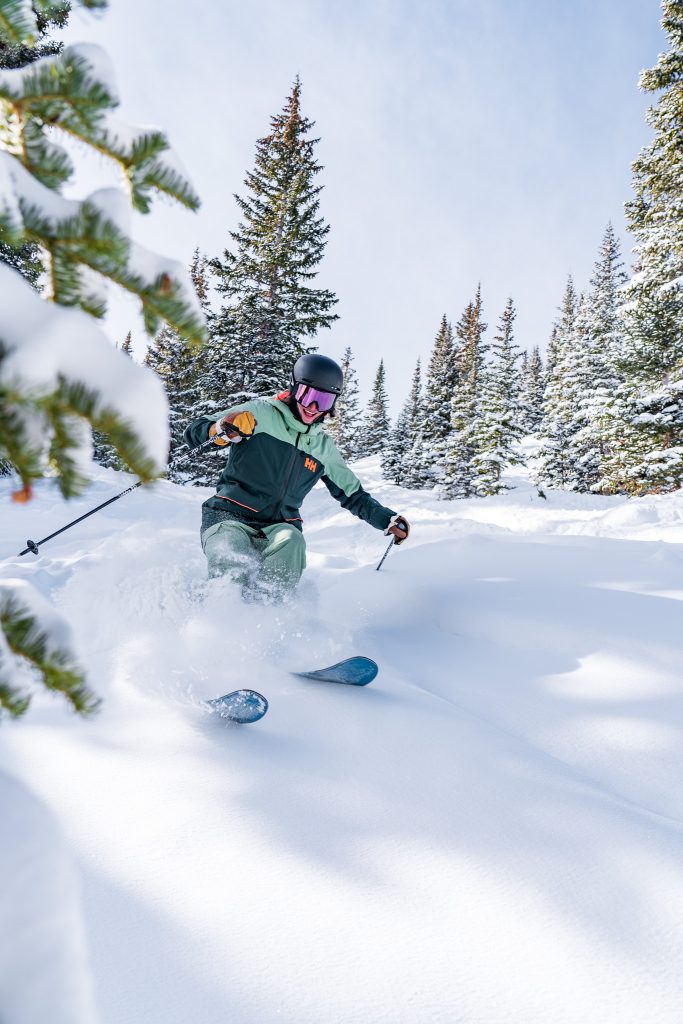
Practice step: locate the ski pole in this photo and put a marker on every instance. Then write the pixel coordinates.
(389, 547)
(33, 546)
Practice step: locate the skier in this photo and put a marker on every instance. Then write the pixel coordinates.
(251, 527)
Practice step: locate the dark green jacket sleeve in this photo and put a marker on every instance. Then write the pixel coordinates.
(197, 431)
(347, 489)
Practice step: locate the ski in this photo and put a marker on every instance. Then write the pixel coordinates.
(246, 706)
(356, 671)
(240, 706)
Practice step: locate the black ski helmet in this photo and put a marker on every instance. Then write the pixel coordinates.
(319, 372)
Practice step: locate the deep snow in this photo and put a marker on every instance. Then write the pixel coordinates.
(490, 833)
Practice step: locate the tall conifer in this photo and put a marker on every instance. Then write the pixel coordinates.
(531, 386)
(270, 308)
(411, 473)
(103, 451)
(599, 378)
(394, 451)
(554, 461)
(185, 372)
(646, 431)
(436, 407)
(400, 456)
(470, 352)
(376, 426)
(345, 426)
(497, 429)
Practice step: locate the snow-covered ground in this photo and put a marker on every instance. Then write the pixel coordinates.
(490, 833)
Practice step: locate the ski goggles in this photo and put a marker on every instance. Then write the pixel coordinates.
(306, 396)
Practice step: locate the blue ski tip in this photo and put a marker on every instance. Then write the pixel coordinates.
(356, 671)
(241, 706)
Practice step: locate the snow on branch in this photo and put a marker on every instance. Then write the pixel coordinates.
(75, 91)
(18, 22)
(47, 345)
(66, 228)
(32, 630)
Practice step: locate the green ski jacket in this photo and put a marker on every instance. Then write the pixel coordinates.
(267, 476)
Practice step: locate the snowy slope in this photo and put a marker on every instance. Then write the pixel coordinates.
(491, 832)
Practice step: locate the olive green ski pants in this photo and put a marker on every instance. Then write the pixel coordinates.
(266, 562)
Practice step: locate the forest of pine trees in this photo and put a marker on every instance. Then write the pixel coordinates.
(601, 409)
(606, 409)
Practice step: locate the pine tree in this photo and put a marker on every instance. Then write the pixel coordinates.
(376, 428)
(554, 462)
(104, 453)
(532, 384)
(524, 379)
(345, 425)
(411, 475)
(497, 427)
(599, 379)
(470, 353)
(270, 307)
(43, 418)
(645, 433)
(440, 382)
(552, 353)
(25, 257)
(394, 452)
(536, 388)
(184, 371)
(400, 456)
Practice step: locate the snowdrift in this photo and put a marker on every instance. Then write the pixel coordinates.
(491, 831)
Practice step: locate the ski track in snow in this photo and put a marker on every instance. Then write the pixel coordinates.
(490, 832)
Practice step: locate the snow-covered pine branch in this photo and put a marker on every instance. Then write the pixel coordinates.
(34, 632)
(59, 375)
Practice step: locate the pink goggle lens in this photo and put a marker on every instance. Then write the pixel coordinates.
(306, 396)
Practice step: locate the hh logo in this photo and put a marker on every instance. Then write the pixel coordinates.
(310, 464)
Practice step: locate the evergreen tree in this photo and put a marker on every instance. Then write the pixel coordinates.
(394, 452)
(404, 445)
(412, 473)
(645, 432)
(376, 427)
(523, 389)
(345, 425)
(497, 429)
(471, 350)
(184, 371)
(599, 381)
(554, 462)
(552, 354)
(537, 383)
(270, 306)
(42, 419)
(440, 382)
(25, 257)
(532, 385)
(104, 452)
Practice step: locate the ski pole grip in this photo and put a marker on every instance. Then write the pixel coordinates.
(232, 429)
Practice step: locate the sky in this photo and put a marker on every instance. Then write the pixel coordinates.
(462, 144)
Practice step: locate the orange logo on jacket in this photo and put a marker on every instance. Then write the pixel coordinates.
(310, 464)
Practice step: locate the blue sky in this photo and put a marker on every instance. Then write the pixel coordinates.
(462, 142)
